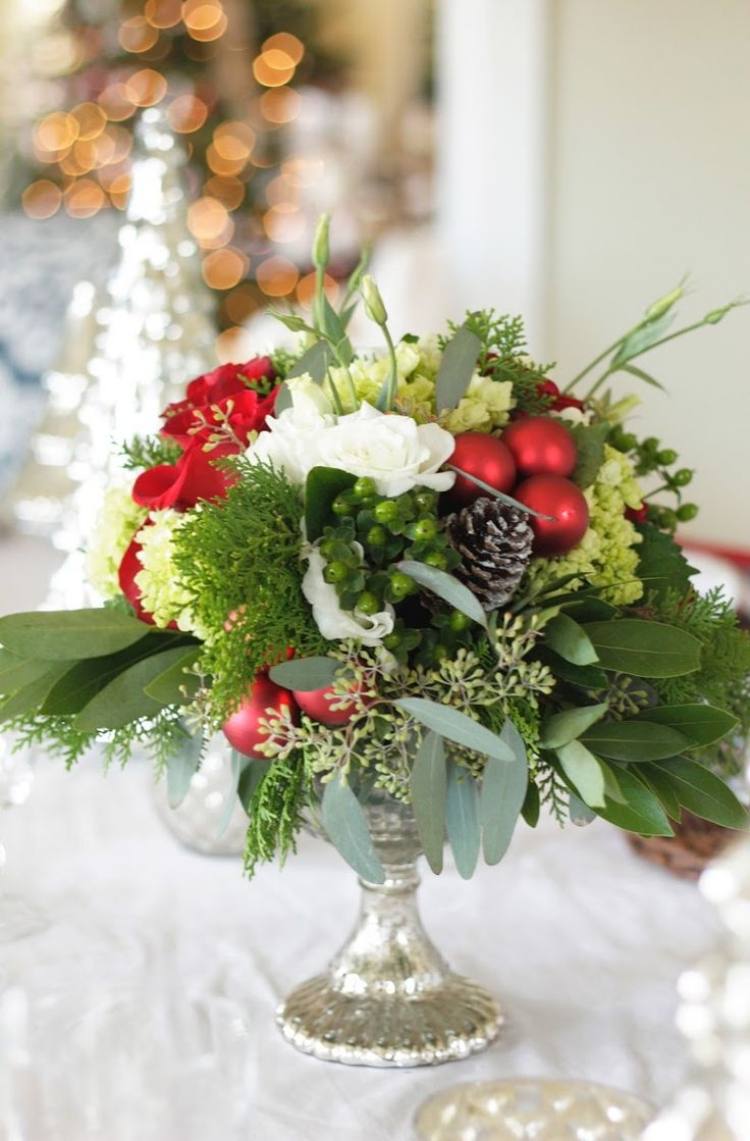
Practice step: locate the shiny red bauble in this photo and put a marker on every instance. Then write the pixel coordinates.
(242, 729)
(316, 703)
(485, 457)
(541, 446)
(564, 502)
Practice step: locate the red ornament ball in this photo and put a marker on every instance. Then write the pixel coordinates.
(316, 703)
(242, 729)
(486, 457)
(541, 446)
(552, 495)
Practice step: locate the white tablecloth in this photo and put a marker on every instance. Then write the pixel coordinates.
(143, 1011)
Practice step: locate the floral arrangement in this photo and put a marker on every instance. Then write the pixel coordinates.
(431, 573)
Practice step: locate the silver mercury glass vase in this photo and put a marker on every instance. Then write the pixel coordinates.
(389, 998)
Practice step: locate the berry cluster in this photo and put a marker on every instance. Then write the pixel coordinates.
(652, 459)
(373, 533)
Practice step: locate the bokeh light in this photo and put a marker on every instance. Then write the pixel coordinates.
(205, 20)
(41, 199)
(287, 43)
(229, 191)
(116, 103)
(306, 289)
(235, 344)
(234, 141)
(277, 276)
(273, 68)
(240, 303)
(84, 198)
(223, 269)
(163, 13)
(146, 87)
(209, 223)
(303, 172)
(284, 223)
(56, 132)
(137, 35)
(223, 166)
(187, 113)
(280, 105)
(91, 120)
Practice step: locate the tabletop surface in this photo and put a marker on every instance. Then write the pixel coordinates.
(141, 1009)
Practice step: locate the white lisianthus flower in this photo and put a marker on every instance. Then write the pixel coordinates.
(333, 622)
(395, 451)
(290, 444)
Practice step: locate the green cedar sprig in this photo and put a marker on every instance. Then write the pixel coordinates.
(150, 451)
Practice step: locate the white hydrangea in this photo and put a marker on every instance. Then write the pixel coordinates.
(162, 593)
(118, 522)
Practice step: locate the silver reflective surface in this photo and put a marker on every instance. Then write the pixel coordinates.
(389, 998)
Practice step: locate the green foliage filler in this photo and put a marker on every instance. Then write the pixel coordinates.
(149, 451)
(240, 561)
(275, 812)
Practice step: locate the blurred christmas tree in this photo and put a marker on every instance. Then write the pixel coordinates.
(231, 75)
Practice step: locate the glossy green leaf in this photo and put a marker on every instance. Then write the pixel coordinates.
(644, 649)
(662, 787)
(175, 686)
(83, 680)
(579, 813)
(456, 727)
(568, 639)
(346, 827)
(124, 699)
(181, 768)
(565, 726)
(322, 487)
(306, 674)
(445, 586)
(589, 440)
(69, 635)
(701, 724)
(428, 784)
(585, 773)
(531, 806)
(582, 677)
(30, 697)
(456, 367)
(634, 740)
(703, 793)
(502, 797)
(462, 820)
(15, 672)
(642, 812)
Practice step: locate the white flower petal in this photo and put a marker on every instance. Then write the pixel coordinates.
(333, 622)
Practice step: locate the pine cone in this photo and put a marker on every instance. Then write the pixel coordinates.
(494, 542)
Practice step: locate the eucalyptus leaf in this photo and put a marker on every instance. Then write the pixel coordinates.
(124, 699)
(307, 674)
(15, 672)
(428, 785)
(579, 813)
(456, 727)
(634, 740)
(584, 772)
(346, 827)
(181, 768)
(568, 639)
(322, 486)
(503, 794)
(175, 686)
(531, 806)
(642, 811)
(445, 586)
(462, 819)
(704, 794)
(314, 362)
(563, 727)
(283, 400)
(30, 697)
(456, 368)
(83, 680)
(644, 649)
(252, 773)
(701, 724)
(69, 635)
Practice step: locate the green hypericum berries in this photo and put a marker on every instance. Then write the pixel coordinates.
(377, 536)
(424, 499)
(344, 504)
(459, 622)
(437, 559)
(424, 529)
(666, 456)
(365, 488)
(368, 602)
(400, 585)
(387, 511)
(336, 572)
(687, 512)
(682, 477)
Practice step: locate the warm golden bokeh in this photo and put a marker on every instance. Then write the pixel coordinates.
(284, 223)
(205, 20)
(229, 191)
(146, 87)
(280, 105)
(91, 120)
(116, 103)
(277, 276)
(41, 199)
(286, 43)
(137, 35)
(187, 113)
(163, 13)
(223, 166)
(240, 303)
(209, 223)
(56, 132)
(84, 198)
(306, 289)
(273, 68)
(223, 269)
(233, 141)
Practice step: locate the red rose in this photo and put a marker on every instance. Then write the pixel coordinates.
(226, 380)
(130, 565)
(559, 401)
(182, 485)
(239, 414)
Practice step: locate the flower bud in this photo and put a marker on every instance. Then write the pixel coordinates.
(320, 248)
(664, 304)
(374, 306)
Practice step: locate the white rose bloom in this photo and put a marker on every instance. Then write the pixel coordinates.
(333, 622)
(290, 444)
(395, 451)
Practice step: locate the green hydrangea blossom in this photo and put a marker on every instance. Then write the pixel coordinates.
(607, 555)
(162, 592)
(118, 522)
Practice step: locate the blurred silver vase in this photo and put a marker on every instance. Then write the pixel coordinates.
(209, 818)
(388, 998)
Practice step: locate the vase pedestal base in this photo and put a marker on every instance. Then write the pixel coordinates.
(442, 1024)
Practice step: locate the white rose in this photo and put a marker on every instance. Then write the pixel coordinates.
(395, 451)
(290, 442)
(333, 622)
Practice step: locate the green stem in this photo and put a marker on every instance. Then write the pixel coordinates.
(320, 278)
(607, 352)
(394, 366)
